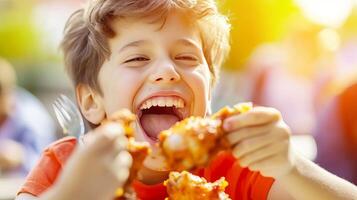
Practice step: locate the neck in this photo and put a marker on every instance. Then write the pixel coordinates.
(151, 177)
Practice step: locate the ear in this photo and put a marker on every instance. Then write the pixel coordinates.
(90, 103)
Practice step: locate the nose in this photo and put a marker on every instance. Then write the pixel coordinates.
(165, 72)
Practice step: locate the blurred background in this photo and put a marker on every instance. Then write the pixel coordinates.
(299, 56)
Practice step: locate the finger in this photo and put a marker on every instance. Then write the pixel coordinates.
(120, 144)
(121, 166)
(248, 132)
(104, 137)
(121, 174)
(124, 159)
(252, 144)
(257, 116)
(262, 153)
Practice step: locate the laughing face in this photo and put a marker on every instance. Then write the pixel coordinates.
(160, 74)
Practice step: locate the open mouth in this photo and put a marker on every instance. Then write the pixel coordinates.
(160, 113)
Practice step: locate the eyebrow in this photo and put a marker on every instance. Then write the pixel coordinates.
(189, 43)
(183, 41)
(134, 44)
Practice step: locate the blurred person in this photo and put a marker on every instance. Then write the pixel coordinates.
(336, 134)
(36, 117)
(20, 114)
(283, 73)
(335, 104)
(273, 84)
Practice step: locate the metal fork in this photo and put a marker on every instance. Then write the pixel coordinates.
(69, 117)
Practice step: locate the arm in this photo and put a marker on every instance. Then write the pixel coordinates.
(261, 141)
(309, 181)
(92, 171)
(277, 192)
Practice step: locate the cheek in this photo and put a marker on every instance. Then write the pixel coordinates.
(119, 88)
(198, 80)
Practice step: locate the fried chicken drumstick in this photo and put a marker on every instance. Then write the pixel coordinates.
(193, 141)
(186, 186)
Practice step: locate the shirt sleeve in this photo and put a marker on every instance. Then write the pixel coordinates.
(44, 174)
(243, 184)
(246, 184)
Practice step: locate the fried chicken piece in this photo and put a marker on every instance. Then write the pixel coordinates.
(138, 150)
(237, 109)
(186, 186)
(194, 141)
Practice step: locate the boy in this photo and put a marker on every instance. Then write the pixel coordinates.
(159, 59)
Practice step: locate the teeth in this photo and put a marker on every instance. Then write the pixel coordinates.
(155, 102)
(162, 102)
(180, 103)
(169, 102)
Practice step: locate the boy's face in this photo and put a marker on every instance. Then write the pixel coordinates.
(160, 74)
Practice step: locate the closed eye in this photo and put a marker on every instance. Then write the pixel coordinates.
(137, 59)
(189, 58)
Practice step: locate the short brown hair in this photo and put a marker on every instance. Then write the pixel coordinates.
(85, 44)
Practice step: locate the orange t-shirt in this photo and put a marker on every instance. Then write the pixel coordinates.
(243, 183)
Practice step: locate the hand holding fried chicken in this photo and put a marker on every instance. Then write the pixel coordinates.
(261, 141)
(137, 150)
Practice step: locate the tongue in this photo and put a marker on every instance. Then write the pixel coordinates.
(153, 124)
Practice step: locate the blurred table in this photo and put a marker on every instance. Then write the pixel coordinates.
(9, 187)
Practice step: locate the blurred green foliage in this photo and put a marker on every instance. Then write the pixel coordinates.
(19, 37)
(23, 44)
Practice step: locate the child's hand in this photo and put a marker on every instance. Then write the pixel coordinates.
(97, 169)
(260, 141)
